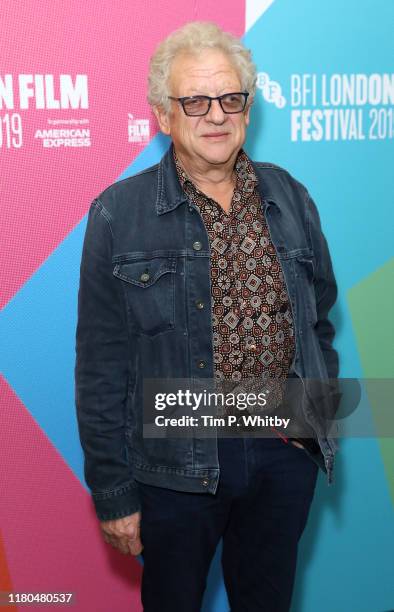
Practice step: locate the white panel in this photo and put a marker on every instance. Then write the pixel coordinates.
(254, 10)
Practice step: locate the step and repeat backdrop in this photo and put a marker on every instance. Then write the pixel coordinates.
(74, 119)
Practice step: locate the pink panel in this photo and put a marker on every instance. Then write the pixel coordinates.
(46, 191)
(51, 535)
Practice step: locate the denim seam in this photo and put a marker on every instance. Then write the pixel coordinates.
(119, 491)
(171, 470)
(104, 212)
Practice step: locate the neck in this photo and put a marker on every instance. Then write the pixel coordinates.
(212, 178)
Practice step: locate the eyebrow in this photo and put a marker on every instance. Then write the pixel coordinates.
(197, 92)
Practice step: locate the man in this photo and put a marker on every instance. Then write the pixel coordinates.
(205, 266)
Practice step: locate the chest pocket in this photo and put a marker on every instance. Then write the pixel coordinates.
(150, 292)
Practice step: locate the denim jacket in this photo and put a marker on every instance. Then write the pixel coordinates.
(130, 329)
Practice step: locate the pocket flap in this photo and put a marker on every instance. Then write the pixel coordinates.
(144, 273)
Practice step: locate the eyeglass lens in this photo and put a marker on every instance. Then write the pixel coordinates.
(230, 103)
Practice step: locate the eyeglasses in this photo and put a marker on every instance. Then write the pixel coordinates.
(197, 106)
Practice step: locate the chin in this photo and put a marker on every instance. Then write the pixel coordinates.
(216, 157)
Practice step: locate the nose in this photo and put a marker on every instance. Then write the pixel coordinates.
(216, 114)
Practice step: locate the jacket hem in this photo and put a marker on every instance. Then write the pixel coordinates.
(205, 482)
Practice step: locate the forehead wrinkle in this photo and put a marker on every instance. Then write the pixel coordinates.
(209, 71)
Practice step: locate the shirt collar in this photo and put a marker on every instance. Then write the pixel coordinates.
(246, 179)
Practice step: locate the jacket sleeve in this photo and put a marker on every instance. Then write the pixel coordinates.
(325, 289)
(101, 374)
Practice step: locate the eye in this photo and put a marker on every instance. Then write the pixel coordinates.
(195, 101)
(196, 104)
(233, 98)
(233, 102)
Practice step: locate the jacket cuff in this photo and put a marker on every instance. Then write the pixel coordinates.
(117, 503)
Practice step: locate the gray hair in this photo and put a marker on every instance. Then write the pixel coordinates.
(193, 38)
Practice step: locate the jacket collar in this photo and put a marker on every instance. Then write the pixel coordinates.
(170, 193)
(267, 197)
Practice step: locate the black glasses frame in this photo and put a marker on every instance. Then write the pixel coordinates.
(209, 98)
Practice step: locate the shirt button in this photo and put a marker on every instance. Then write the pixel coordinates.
(197, 246)
(200, 305)
(144, 277)
(201, 364)
(205, 482)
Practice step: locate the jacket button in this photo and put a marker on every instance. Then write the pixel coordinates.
(205, 482)
(197, 246)
(201, 364)
(199, 305)
(144, 277)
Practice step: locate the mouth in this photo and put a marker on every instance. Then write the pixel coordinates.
(216, 135)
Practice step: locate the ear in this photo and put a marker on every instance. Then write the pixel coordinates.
(247, 111)
(162, 119)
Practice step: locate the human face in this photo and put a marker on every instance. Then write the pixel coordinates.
(212, 140)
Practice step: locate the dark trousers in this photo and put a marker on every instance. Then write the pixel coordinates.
(260, 509)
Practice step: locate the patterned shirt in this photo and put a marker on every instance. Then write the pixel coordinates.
(251, 315)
